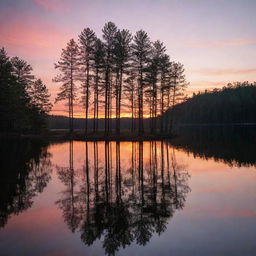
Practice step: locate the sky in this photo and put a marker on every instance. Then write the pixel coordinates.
(215, 40)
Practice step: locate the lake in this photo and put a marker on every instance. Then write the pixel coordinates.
(187, 197)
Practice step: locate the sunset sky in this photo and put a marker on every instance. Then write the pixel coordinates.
(215, 40)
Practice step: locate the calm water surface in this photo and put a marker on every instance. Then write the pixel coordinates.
(127, 198)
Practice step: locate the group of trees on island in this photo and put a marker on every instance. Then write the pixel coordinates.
(119, 74)
(24, 99)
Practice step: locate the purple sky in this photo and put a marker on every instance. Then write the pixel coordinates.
(215, 40)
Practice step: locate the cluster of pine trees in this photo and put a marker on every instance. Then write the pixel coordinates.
(118, 74)
(234, 103)
(24, 99)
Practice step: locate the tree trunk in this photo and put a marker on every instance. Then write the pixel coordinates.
(87, 97)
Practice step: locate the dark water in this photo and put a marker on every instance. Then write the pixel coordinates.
(194, 196)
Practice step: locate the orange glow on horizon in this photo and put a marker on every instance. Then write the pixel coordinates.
(82, 115)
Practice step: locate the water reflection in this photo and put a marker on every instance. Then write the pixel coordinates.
(25, 171)
(124, 195)
(122, 198)
(233, 145)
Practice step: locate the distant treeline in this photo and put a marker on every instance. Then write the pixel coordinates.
(24, 100)
(235, 103)
(62, 122)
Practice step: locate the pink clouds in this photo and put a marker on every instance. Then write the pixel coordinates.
(32, 39)
(37, 41)
(52, 5)
(224, 43)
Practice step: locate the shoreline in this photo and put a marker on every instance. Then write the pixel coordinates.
(100, 136)
(63, 135)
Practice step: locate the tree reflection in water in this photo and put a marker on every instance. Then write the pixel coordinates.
(122, 203)
(231, 144)
(25, 172)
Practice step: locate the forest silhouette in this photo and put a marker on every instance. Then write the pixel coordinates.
(24, 99)
(233, 104)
